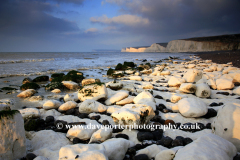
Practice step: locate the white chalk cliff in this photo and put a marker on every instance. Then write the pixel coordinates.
(202, 44)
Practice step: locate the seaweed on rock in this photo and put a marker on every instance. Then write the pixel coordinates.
(9, 113)
(29, 86)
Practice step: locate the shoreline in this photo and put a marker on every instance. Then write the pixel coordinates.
(171, 92)
(221, 57)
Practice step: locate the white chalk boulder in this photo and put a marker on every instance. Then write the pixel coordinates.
(135, 78)
(47, 143)
(83, 132)
(127, 100)
(193, 75)
(51, 104)
(30, 113)
(88, 81)
(12, 139)
(70, 85)
(93, 91)
(227, 123)
(175, 81)
(82, 152)
(192, 107)
(101, 135)
(115, 85)
(4, 107)
(224, 84)
(116, 97)
(90, 106)
(188, 88)
(66, 106)
(71, 97)
(203, 90)
(26, 93)
(207, 147)
(237, 91)
(131, 114)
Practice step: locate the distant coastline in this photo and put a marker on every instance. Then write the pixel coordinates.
(197, 44)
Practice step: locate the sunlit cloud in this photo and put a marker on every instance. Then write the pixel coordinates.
(127, 19)
(91, 30)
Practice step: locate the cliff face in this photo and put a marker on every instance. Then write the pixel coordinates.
(198, 44)
(153, 48)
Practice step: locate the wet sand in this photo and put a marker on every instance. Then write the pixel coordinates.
(222, 57)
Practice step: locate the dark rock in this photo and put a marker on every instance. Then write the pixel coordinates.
(77, 123)
(177, 125)
(156, 119)
(141, 157)
(168, 100)
(55, 85)
(105, 122)
(29, 86)
(31, 124)
(138, 146)
(157, 134)
(166, 141)
(237, 157)
(57, 75)
(131, 151)
(156, 112)
(95, 117)
(144, 136)
(220, 103)
(144, 60)
(208, 126)
(180, 137)
(74, 76)
(83, 115)
(211, 113)
(30, 156)
(160, 107)
(199, 126)
(122, 136)
(41, 79)
(167, 110)
(50, 127)
(27, 80)
(50, 123)
(223, 93)
(177, 142)
(162, 121)
(117, 130)
(158, 97)
(169, 121)
(61, 126)
(70, 111)
(187, 127)
(76, 140)
(214, 104)
(187, 140)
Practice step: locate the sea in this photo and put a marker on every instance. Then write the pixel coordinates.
(14, 67)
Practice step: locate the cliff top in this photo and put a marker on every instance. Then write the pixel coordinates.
(221, 38)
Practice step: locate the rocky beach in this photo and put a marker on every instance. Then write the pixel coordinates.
(173, 108)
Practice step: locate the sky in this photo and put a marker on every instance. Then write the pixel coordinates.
(85, 25)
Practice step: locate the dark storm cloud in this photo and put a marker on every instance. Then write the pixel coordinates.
(70, 1)
(31, 18)
(171, 19)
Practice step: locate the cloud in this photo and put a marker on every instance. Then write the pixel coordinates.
(127, 19)
(31, 18)
(172, 19)
(79, 2)
(91, 30)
